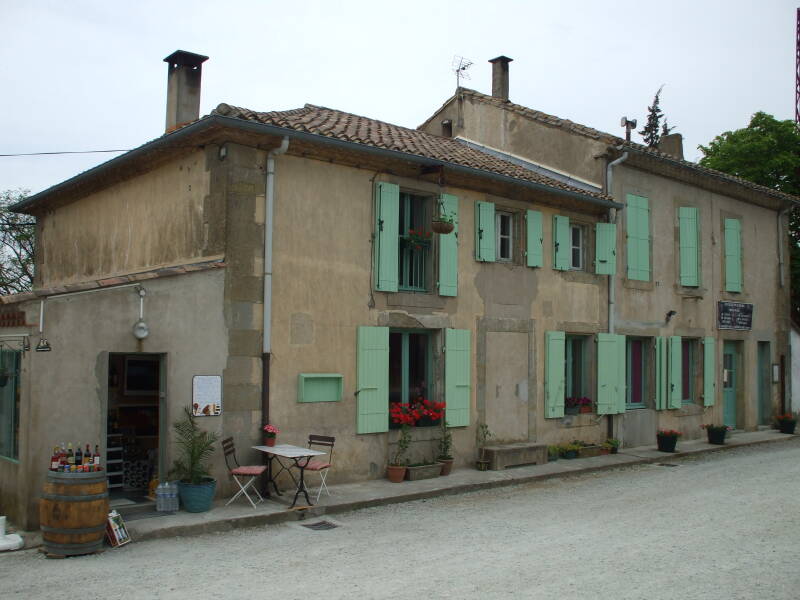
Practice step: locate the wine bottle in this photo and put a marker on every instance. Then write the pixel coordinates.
(87, 456)
(79, 456)
(70, 455)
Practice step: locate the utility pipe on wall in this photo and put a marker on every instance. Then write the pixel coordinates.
(781, 276)
(269, 210)
(612, 218)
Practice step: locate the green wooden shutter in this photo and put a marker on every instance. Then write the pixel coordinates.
(484, 232)
(457, 381)
(373, 380)
(607, 370)
(638, 223)
(675, 397)
(709, 371)
(661, 373)
(605, 262)
(387, 214)
(535, 239)
(561, 243)
(448, 249)
(555, 342)
(733, 255)
(689, 239)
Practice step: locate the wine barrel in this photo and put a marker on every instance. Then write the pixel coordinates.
(73, 512)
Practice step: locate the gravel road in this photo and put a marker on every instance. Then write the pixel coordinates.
(720, 526)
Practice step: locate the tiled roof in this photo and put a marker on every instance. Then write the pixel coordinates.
(348, 127)
(616, 141)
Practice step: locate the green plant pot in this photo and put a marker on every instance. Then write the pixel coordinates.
(197, 497)
(570, 454)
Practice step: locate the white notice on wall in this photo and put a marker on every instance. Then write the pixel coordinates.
(206, 395)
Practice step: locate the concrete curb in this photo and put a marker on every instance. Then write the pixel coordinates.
(33, 539)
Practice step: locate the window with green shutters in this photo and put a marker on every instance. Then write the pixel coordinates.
(484, 232)
(372, 389)
(662, 373)
(387, 228)
(709, 371)
(733, 255)
(534, 239)
(605, 260)
(675, 395)
(611, 384)
(689, 370)
(689, 246)
(561, 243)
(637, 369)
(414, 250)
(457, 377)
(448, 249)
(638, 231)
(554, 376)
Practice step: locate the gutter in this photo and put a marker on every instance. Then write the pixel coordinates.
(612, 218)
(269, 212)
(170, 139)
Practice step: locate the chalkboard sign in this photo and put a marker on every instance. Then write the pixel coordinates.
(734, 315)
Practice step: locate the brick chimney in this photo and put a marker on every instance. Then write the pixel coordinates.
(500, 77)
(183, 88)
(672, 144)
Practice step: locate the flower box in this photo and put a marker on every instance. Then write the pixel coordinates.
(415, 473)
(588, 451)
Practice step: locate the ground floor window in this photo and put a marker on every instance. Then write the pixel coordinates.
(576, 375)
(410, 367)
(688, 370)
(636, 357)
(9, 403)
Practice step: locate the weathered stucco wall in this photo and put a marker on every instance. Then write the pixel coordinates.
(323, 292)
(65, 391)
(158, 218)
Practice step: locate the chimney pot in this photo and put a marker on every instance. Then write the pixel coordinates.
(500, 77)
(672, 144)
(184, 73)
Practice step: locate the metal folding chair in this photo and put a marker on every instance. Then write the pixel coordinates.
(321, 466)
(250, 473)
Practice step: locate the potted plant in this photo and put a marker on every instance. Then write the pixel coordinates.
(571, 406)
(270, 433)
(605, 448)
(586, 450)
(196, 487)
(426, 469)
(667, 439)
(584, 405)
(786, 423)
(407, 415)
(552, 453)
(570, 451)
(443, 221)
(418, 238)
(445, 456)
(614, 444)
(716, 433)
(482, 434)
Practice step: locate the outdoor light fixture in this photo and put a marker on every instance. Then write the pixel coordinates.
(140, 328)
(43, 345)
(670, 314)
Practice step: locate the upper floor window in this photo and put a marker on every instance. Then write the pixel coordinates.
(504, 236)
(414, 241)
(577, 234)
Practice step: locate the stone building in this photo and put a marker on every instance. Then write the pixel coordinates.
(280, 254)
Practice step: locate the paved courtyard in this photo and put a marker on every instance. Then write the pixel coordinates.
(721, 525)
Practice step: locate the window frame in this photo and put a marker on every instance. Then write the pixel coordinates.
(581, 248)
(404, 254)
(499, 215)
(15, 404)
(645, 356)
(405, 387)
(585, 383)
(690, 359)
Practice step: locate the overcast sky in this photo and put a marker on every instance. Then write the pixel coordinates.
(83, 75)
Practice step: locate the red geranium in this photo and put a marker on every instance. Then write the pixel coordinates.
(410, 413)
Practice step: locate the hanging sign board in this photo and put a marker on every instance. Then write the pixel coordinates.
(207, 395)
(734, 315)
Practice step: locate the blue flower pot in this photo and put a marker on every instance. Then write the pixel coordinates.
(197, 497)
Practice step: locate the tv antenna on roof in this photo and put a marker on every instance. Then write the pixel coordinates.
(460, 66)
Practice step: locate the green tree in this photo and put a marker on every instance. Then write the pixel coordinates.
(653, 129)
(766, 152)
(17, 237)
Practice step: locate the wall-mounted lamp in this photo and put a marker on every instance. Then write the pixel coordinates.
(670, 314)
(140, 328)
(223, 152)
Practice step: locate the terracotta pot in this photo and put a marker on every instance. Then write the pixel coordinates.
(447, 465)
(270, 441)
(585, 409)
(396, 473)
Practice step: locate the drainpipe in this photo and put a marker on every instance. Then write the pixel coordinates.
(612, 218)
(268, 226)
(781, 276)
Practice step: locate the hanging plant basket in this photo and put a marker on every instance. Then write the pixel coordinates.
(442, 226)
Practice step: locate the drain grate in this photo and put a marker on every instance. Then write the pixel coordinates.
(320, 525)
(665, 465)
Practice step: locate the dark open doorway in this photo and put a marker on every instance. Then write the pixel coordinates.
(134, 425)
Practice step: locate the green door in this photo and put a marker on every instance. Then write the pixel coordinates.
(764, 385)
(730, 361)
